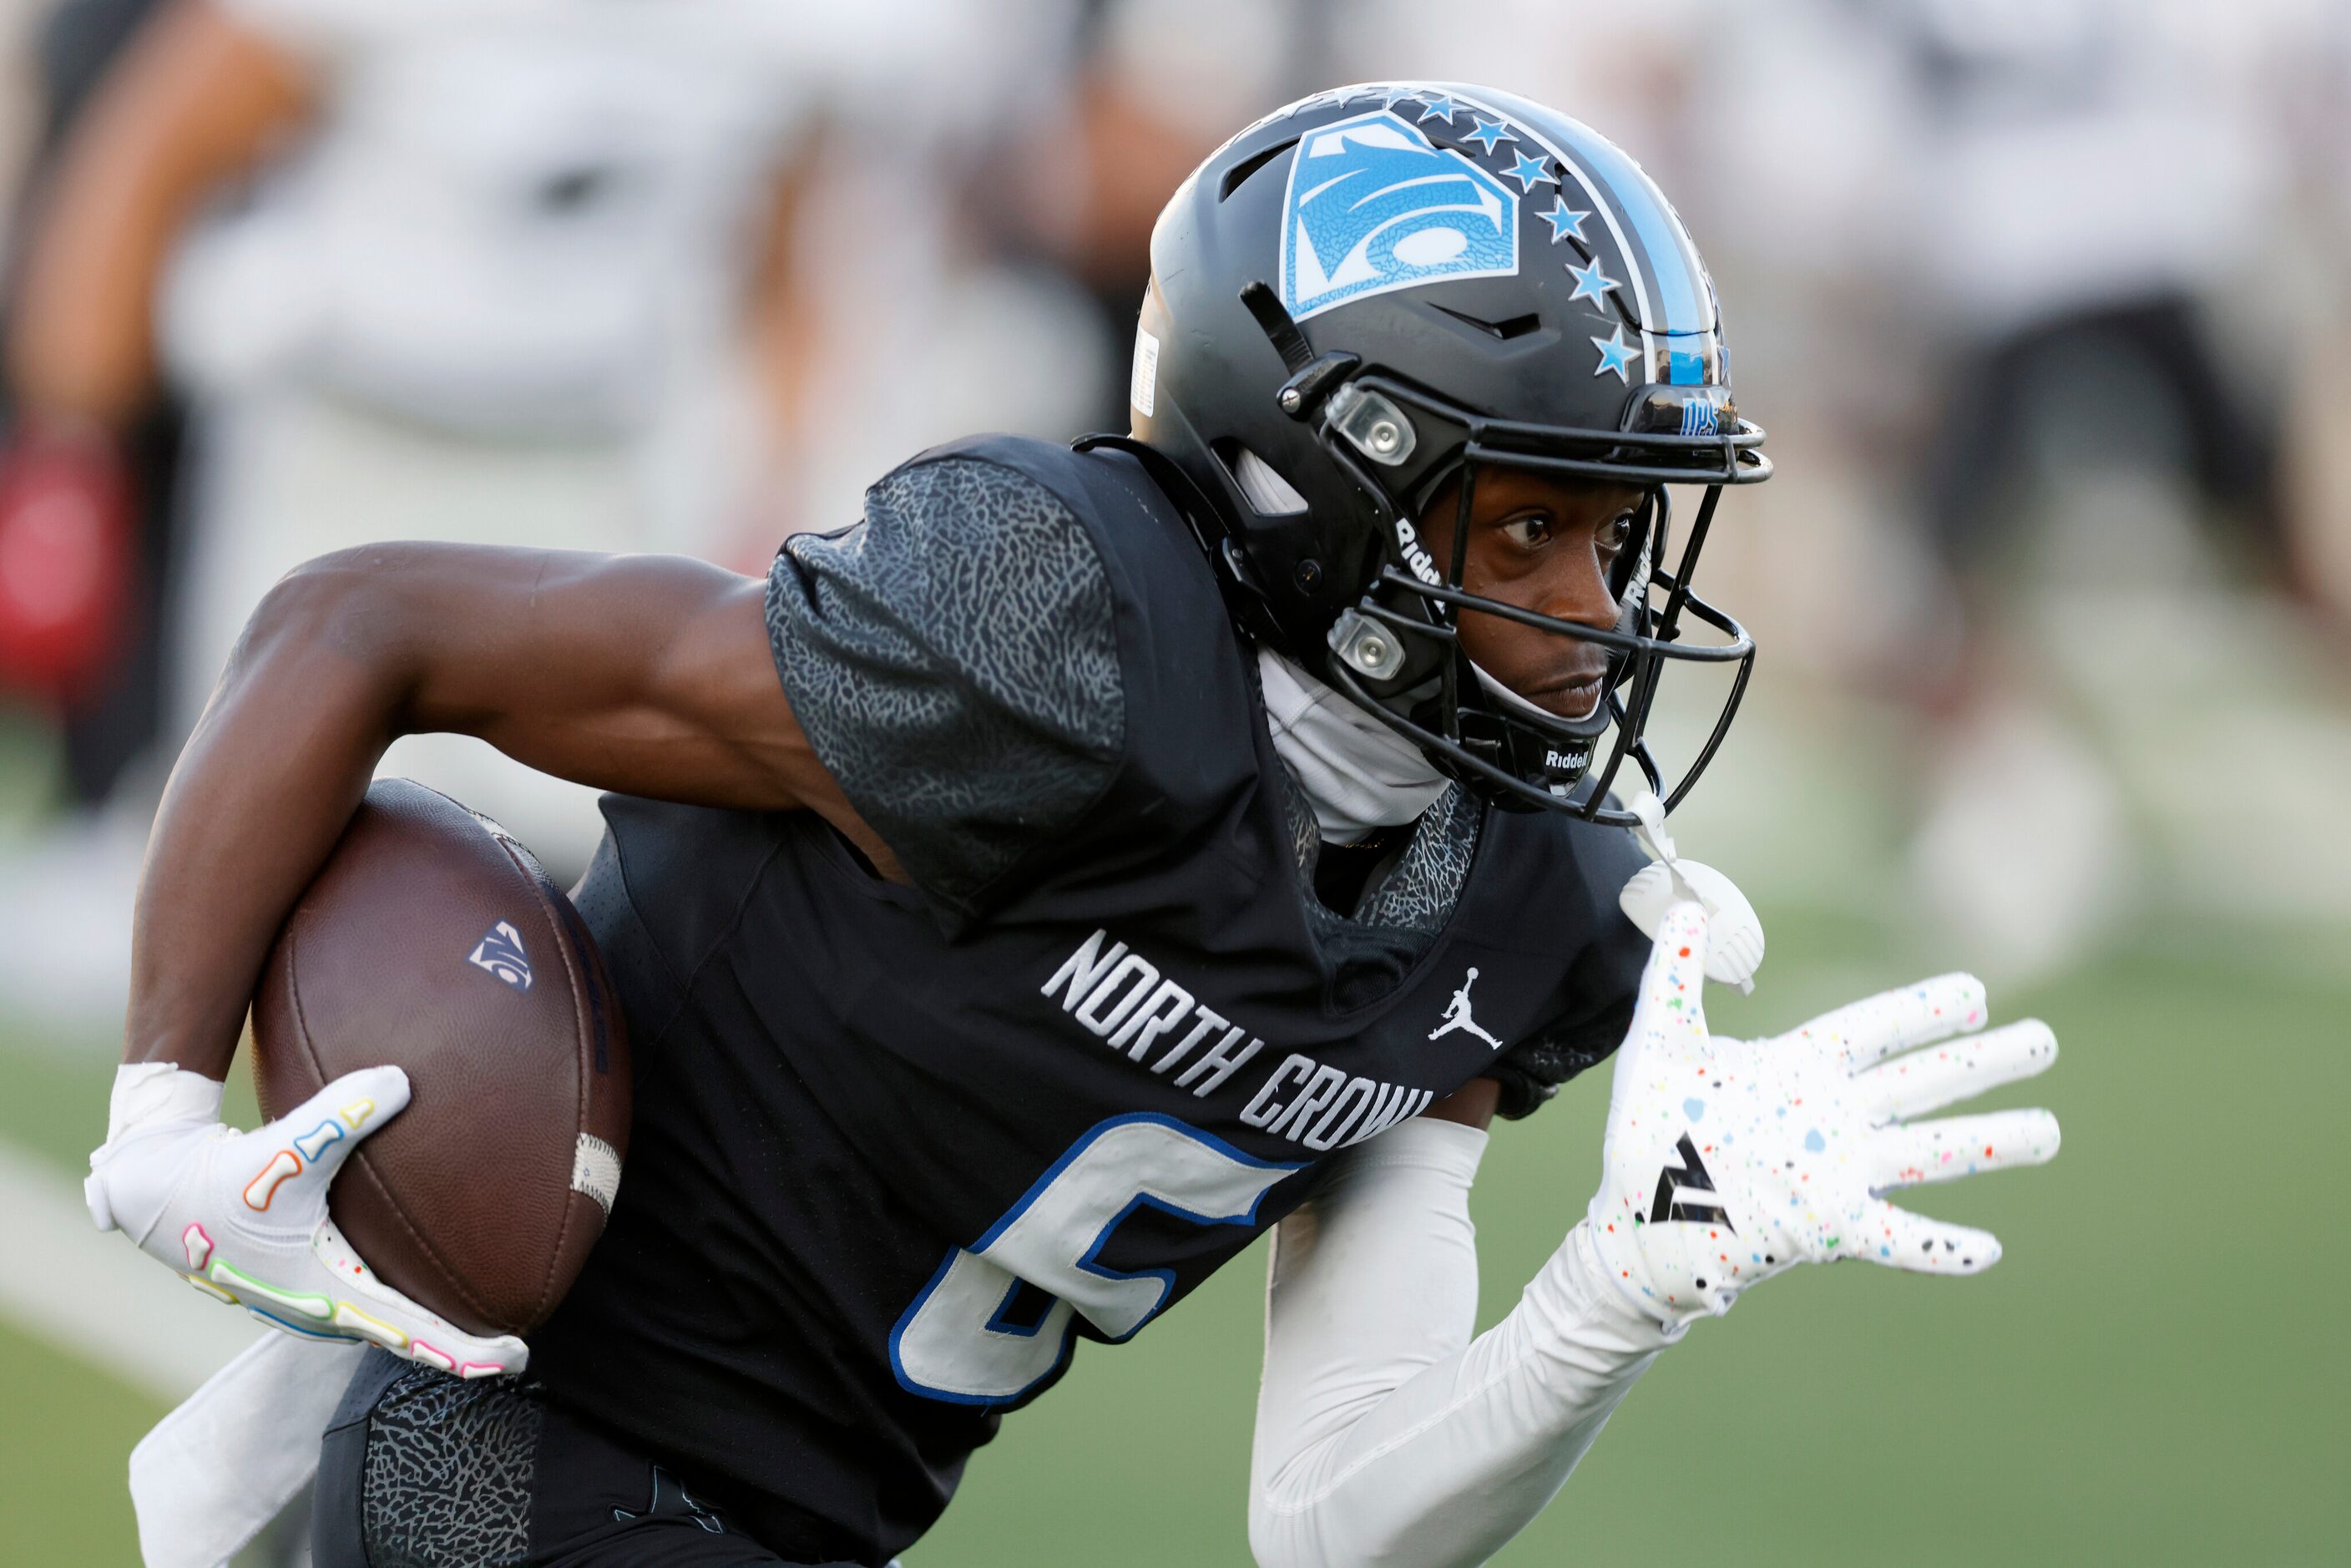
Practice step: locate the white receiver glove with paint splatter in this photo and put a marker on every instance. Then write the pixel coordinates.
(244, 1215)
(1727, 1161)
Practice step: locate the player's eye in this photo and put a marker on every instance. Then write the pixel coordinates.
(1613, 535)
(1530, 532)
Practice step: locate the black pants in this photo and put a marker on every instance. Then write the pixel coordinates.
(420, 1469)
(2227, 443)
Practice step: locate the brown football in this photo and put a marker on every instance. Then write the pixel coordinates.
(433, 941)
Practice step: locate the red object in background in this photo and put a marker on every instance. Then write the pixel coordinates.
(67, 563)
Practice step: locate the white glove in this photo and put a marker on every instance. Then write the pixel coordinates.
(244, 1215)
(1727, 1161)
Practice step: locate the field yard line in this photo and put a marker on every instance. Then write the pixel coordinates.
(97, 1297)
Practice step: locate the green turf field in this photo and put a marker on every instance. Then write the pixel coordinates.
(2154, 1374)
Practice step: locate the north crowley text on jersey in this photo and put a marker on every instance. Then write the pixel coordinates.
(1124, 1000)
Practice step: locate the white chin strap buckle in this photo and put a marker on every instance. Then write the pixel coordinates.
(1734, 945)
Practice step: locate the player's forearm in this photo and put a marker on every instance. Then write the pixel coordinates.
(1457, 1462)
(263, 791)
(196, 100)
(1384, 1433)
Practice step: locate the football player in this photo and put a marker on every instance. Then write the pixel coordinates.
(1095, 855)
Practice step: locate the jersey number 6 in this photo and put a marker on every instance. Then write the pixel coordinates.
(954, 1343)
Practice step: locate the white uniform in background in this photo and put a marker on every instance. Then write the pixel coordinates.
(498, 296)
(2083, 152)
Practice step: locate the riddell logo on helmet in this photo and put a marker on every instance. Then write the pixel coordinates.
(1567, 760)
(1414, 557)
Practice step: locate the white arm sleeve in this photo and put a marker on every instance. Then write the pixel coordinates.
(1384, 1433)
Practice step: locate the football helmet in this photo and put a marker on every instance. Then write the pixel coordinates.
(1379, 290)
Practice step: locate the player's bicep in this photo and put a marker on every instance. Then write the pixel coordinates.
(647, 675)
(660, 682)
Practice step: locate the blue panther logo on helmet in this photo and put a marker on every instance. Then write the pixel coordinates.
(1373, 205)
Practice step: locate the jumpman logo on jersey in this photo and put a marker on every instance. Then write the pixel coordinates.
(1457, 1013)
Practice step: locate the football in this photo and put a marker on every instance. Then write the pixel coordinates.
(433, 941)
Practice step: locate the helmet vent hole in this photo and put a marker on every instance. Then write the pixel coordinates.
(1268, 494)
(1237, 175)
(1515, 327)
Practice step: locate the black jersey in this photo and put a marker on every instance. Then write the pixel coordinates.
(896, 1147)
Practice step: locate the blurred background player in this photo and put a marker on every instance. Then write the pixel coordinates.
(2034, 291)
(500, 272)
(86, 515)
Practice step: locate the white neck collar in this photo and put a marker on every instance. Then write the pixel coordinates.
(1358, 774)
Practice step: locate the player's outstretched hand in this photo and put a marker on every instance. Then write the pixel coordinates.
(1727, 1161)
(244, 1215)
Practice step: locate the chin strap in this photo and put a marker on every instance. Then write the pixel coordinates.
(1734, 948)
(1651, 832)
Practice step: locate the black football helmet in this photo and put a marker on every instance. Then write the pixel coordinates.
(1377, 290)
